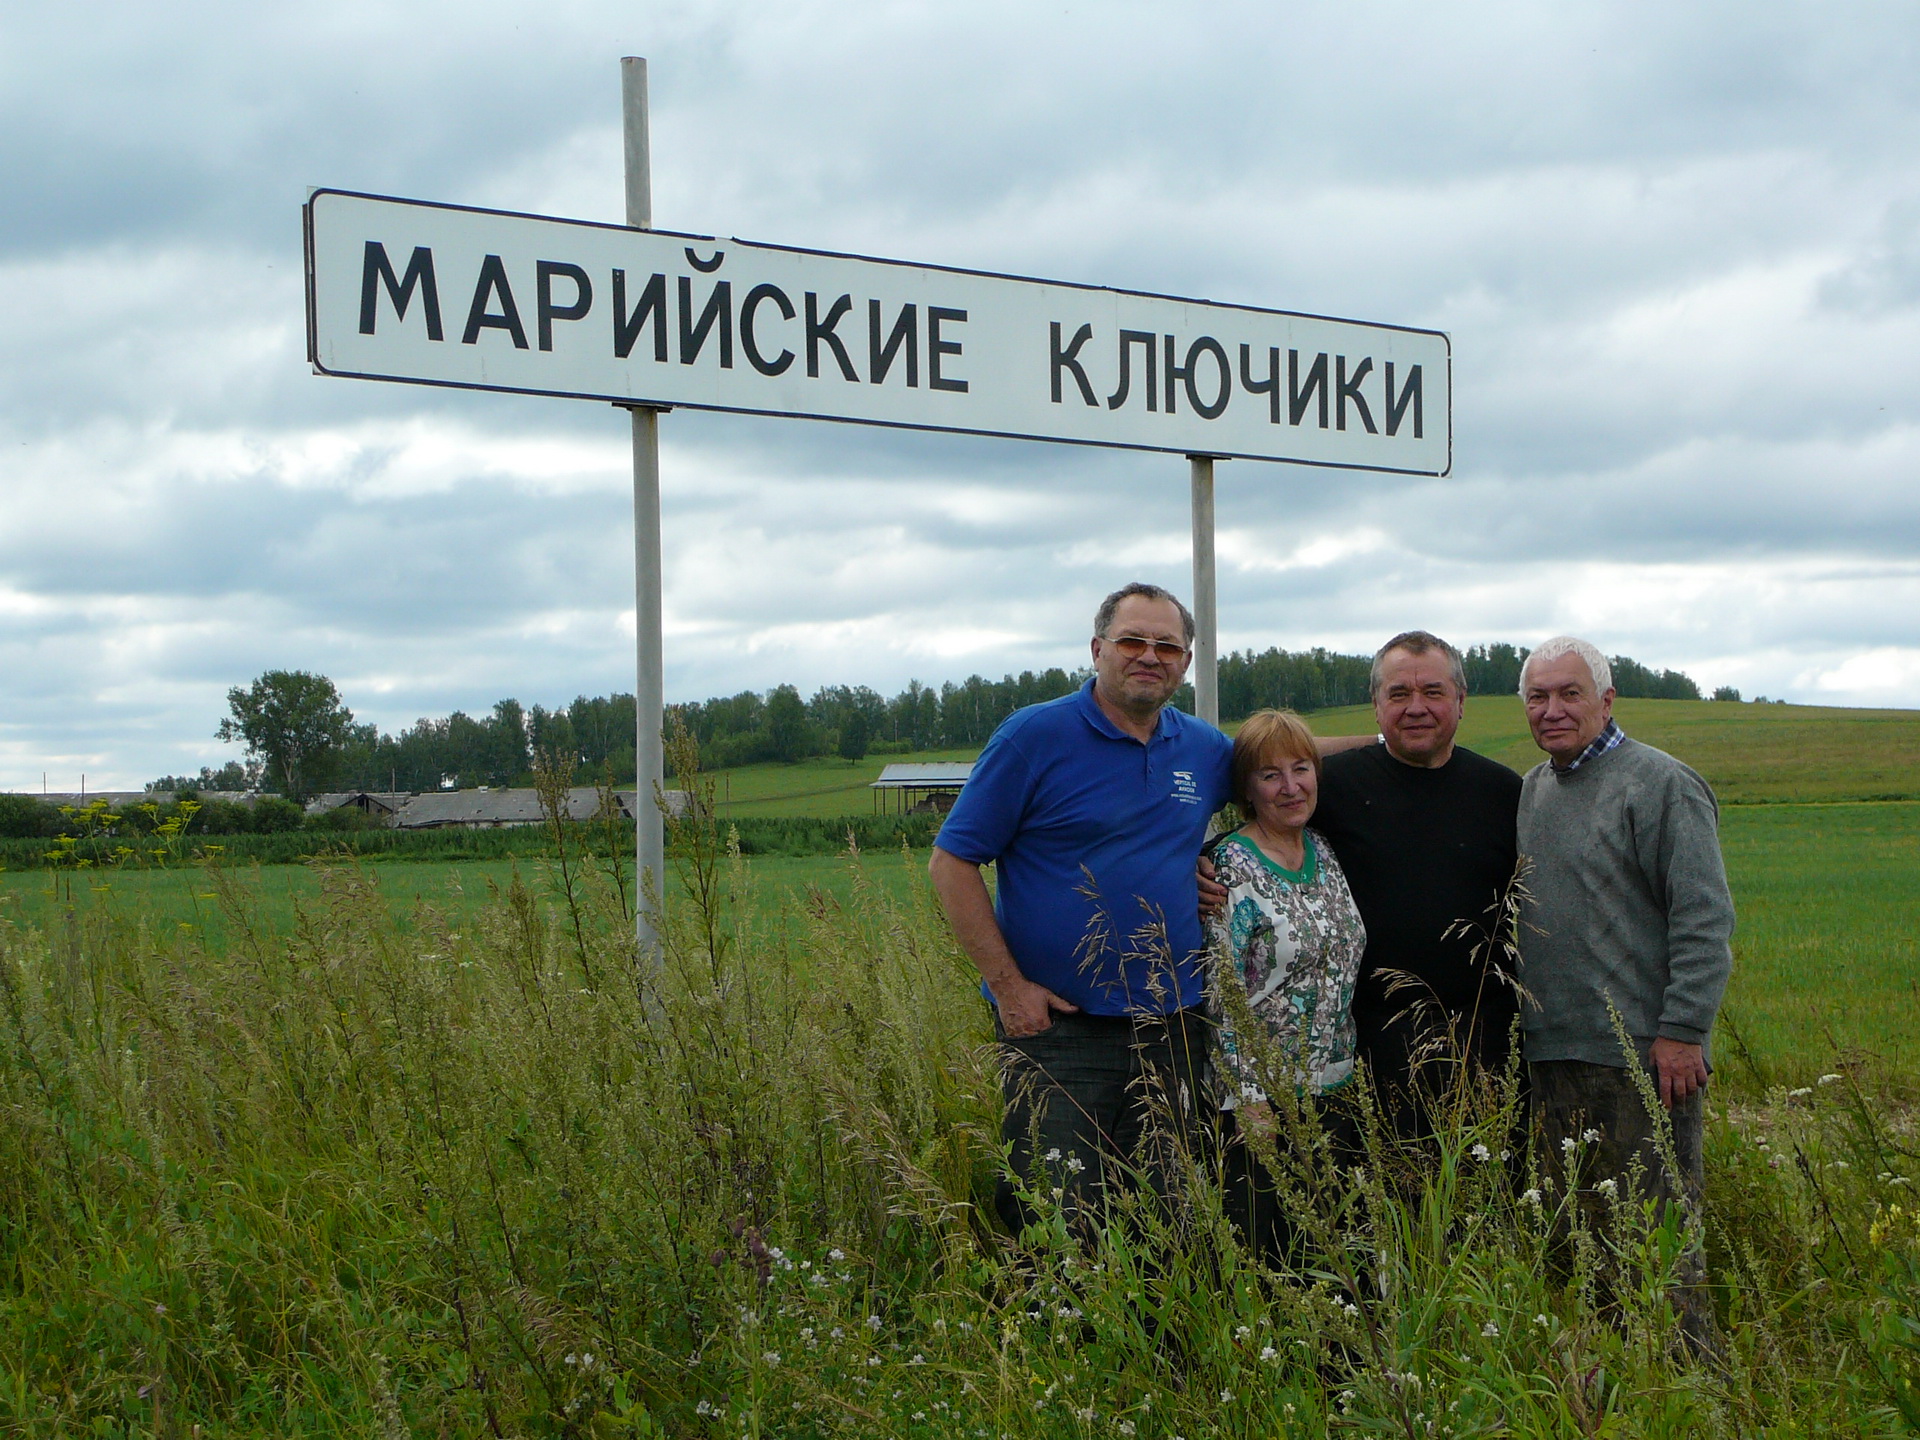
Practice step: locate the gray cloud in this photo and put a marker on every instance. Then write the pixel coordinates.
(1675, 249)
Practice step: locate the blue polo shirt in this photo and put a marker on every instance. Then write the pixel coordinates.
(1095, 835)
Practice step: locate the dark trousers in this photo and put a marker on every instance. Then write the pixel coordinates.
(1099, 1103)
(1252, 1200)
(1573, 1100)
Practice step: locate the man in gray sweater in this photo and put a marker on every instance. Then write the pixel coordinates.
(1629, 915)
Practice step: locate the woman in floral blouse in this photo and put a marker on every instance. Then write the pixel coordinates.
(1291, 939)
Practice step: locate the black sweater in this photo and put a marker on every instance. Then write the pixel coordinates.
(1423, 850)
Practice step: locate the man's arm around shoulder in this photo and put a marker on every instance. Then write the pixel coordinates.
(1025, 1008)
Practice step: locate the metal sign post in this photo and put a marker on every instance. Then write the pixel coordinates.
(1206, 637)
(649, 691)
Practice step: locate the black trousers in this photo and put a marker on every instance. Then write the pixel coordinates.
(1252, 1200)
(1099, 1103)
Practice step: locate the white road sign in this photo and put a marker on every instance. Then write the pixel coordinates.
(484, 299)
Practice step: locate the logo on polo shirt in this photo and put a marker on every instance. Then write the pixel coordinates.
(1184, 789)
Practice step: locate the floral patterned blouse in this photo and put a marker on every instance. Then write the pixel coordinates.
(1294, 939)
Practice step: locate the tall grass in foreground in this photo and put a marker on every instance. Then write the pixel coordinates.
(506, 1179)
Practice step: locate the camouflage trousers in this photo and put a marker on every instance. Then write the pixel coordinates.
(1595, 1131)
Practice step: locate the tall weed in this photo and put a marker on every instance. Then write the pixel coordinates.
(515, 1177)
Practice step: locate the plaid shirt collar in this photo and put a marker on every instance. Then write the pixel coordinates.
(1609, 738)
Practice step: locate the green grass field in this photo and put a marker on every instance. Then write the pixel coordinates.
(366, 1151)
(1751, 753)
(1828, 945)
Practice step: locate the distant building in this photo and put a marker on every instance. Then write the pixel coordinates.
(502, 809)
(383, 804)
(920, 787)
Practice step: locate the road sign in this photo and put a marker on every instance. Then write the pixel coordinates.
(485, 299)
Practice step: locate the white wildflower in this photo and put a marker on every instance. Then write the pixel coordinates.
(1531, 1196)
(836, 1333)
(873, 1362)
(1352, 1310)
(1125, 1427)
(873, 1322)
(1796, 1094)
(772, 1357)
(1075, 1164)
(705, 1407)
(1241, 1332)
(836, 1255)
(1608, 1188)
(1830, 1079)
(1544, 1322)
(1589, 1136)
(1052, 1155)
(1480, 1152)
(1269, 1354)
(1490, 1329)
(1569, 1144)
(1226, 1397)
(918, 1359)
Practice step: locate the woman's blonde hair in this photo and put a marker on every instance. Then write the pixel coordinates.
(1269, 736)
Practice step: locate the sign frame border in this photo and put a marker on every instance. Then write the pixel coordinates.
(313, 339)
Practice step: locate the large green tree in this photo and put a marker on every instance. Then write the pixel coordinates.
(294, 723)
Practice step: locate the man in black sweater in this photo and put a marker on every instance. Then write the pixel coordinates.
(1425, 831)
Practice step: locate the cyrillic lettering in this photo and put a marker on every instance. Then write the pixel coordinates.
(548, 312)
(493, 281)
(1316, 382)
(759, 362)
(1206, 344)
(905, 333)
(937, 315)
(626, 328)
(818, 330)
(1144, 339)
(1349, 389)
(1270, 387)
(1067, 359)
(378, 269)
(693, 333)
(1397, 409)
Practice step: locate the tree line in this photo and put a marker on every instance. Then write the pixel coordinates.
(302, 739)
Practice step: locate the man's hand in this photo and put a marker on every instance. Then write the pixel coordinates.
(1254, 1118)
(1026, 1008)
(1213, 895)
(1681, 1068)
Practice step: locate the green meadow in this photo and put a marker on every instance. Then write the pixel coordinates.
(399, 1147)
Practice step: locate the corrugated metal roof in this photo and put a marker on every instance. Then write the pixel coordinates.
(923, 775)
(496, 807)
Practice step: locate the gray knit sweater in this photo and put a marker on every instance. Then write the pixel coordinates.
(1629, 902)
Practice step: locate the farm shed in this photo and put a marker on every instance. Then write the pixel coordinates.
(384, 804)
(488, 809)
(920, 787)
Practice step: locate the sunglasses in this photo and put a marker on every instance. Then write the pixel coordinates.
(1132, 647)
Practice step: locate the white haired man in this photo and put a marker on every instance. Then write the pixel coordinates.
(1625, 951)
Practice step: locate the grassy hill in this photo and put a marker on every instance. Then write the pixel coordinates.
(1752, 754)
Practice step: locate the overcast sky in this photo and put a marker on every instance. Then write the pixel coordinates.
(1677, 250)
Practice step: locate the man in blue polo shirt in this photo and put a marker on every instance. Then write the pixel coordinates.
(1092, 808)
